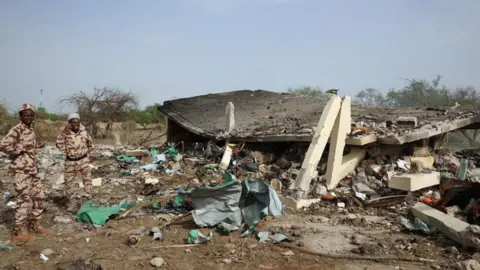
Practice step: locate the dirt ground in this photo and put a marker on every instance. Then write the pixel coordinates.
(322, 228)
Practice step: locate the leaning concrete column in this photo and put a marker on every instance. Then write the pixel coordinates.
(317, 146)
(337, 144)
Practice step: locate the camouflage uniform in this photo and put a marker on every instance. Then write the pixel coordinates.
(77, 147)
(21, 142)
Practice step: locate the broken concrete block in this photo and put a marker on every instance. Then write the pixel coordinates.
(421, 152)
(468, 265)
(475, 172)
(364, 188)
(427, 162)
(107, 154)
(96, 182)
(407, 121)
(294, 204)
(226, 158)
(193, 161)
(151, 180)
(448, 225)
(276, 184)
(390, 174)
(412, 182)
(373, 169)
(58, 178)
(135, 153)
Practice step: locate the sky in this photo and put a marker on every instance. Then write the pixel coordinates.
(165, 49)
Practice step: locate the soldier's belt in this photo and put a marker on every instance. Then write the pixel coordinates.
(75, 158)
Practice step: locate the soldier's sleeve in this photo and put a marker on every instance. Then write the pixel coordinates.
(60, 143)
(89, 144)
(9, 143)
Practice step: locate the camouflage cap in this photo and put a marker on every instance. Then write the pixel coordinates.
(26, 107)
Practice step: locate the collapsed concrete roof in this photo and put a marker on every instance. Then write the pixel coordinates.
(270, 116)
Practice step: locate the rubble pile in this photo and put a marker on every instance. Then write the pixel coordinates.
(235, 187)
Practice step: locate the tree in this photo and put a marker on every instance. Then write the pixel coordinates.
(43, 114)
(370, 96)
(158, 117)
(104, 105)
(143, 118)
(151, 115)
(308, 91)
(421, 93)
(7, 120)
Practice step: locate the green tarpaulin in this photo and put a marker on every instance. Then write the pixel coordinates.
(98, 216)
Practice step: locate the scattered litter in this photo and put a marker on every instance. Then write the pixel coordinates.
(7, 196)
(196, 237)
(98, 216)
(43, 257)
(417, 225)
(12, 204)
(156, 234)
(403, 165)
(263, 237)
(278, 237)
(4, 247)
(127, 159)
(227, 261)
(227, 228)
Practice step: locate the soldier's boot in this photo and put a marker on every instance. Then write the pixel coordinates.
(21, 235)
(36, 229)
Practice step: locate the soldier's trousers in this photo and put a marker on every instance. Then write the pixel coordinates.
(74, 170)
(29, 190)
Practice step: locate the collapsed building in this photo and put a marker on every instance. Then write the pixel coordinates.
(264, 116)
(394, 147)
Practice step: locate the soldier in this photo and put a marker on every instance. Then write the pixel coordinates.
(77, 145)
(21, 144)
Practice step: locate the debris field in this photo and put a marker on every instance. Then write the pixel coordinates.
(210, 204)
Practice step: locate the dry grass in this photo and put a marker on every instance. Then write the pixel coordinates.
(47, 130)
(128, 133)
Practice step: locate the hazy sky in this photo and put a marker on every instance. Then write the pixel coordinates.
(165, 49)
